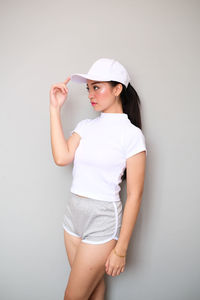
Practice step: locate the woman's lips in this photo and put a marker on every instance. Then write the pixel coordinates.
(93, 103)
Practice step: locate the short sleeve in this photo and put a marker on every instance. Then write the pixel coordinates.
(135, 142)
(80, 127)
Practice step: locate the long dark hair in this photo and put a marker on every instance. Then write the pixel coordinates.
(131, 106)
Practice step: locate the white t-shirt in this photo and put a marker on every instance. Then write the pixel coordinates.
(100, 159)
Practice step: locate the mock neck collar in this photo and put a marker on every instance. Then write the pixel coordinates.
(112, 116)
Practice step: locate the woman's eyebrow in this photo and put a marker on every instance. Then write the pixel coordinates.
(93, 83)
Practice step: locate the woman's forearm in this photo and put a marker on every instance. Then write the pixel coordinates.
(130, 213)
(58, 141)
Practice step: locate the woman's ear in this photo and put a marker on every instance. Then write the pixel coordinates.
(118, 89)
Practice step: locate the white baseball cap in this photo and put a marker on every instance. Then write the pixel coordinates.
(104, 69)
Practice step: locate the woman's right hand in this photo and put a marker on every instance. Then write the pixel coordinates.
(58, 93)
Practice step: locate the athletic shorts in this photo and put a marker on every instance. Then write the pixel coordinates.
(94, 221)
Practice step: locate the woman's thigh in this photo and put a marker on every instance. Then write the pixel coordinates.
(87, 269)
(71, 246)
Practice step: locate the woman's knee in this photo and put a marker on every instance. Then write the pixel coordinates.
(99, 291)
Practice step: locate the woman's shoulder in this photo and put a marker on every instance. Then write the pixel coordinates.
(132, 129)
(134, 140)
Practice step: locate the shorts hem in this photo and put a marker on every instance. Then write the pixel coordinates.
(99, 242)
(70, 232)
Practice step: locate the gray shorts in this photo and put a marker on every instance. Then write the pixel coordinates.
(94, 221)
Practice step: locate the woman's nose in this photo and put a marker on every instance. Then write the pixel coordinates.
(90, 95)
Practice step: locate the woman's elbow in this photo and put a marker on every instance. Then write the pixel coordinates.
(63, 161)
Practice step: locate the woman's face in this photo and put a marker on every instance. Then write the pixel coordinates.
(101, 94)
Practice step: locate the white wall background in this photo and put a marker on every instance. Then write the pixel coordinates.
(43, 42)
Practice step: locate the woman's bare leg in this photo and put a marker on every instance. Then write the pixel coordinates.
(88, 268)
(71, 245)
(99, 291)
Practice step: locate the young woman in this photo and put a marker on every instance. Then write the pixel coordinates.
(105, 150)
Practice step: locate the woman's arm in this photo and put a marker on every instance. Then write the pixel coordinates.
(63, 150)
(131, 210)
(135, 173)
(58, 141)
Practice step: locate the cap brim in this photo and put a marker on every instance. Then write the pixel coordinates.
(82, 78)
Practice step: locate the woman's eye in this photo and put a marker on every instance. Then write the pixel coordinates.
(93, 87)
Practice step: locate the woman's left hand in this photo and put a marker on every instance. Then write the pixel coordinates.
(115, 264)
